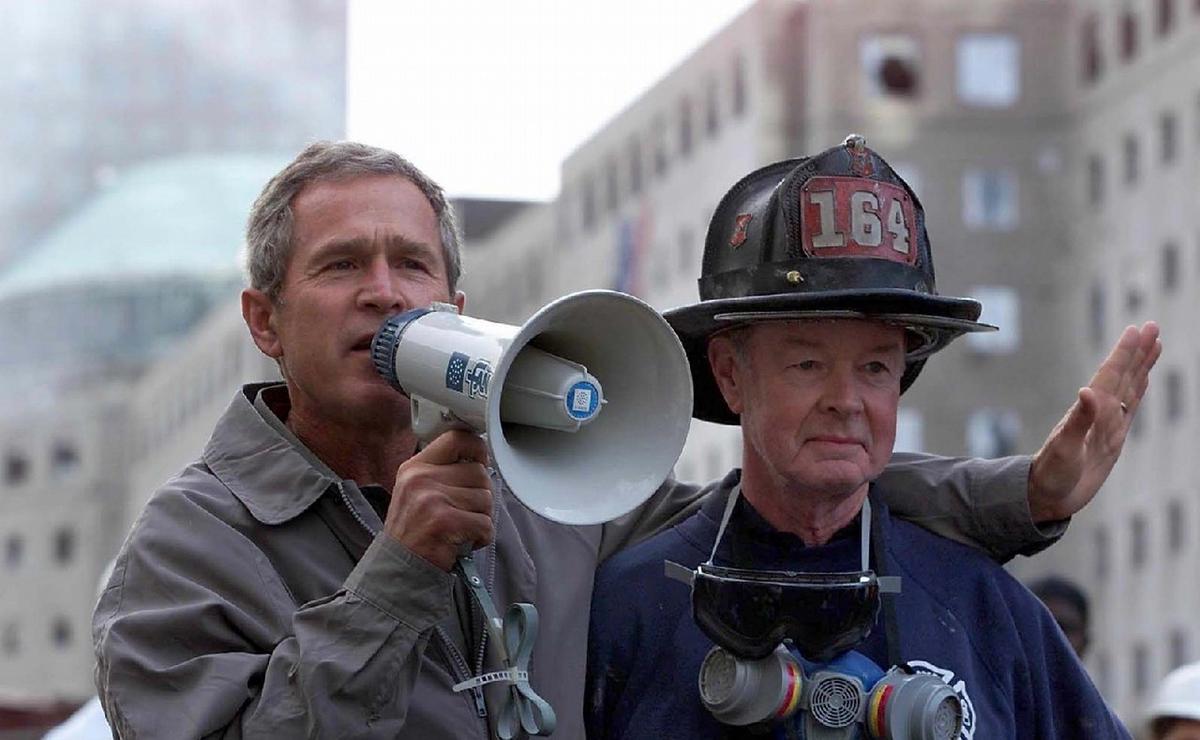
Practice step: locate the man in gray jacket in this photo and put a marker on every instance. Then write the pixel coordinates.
(295, 580)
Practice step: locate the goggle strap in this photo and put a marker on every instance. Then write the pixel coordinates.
(677, 572)
(733, 497)
(888, 584)
(866, 534)
(865, 528)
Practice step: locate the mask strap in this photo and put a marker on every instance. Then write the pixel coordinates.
(866, 534)
(733, 497)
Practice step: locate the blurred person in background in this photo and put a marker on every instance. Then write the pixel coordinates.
(295, 580)
(1175, 712)
(1069, 607)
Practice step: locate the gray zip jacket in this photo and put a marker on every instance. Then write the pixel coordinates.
(257, 597)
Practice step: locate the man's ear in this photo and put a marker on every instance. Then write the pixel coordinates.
(727, 371)
(459, 299)
(259, 314)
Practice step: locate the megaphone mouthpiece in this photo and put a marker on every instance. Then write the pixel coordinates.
(547, 391)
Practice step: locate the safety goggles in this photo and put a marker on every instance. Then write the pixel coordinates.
(750, 612)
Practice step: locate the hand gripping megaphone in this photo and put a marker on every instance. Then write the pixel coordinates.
(585, 406)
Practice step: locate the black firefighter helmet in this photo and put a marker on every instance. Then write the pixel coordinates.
(834, 236)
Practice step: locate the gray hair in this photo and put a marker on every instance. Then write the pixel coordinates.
(269, 228)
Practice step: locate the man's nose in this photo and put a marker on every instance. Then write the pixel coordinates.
(841, 392)
(380, 290)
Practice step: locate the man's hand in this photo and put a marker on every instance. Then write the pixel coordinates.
(443, 499)
(1082, 449)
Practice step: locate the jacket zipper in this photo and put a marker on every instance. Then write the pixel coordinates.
(459, 664)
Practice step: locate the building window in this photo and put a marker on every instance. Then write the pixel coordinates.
(1128, 42)
(1095, 179)
(64, 459)
(635, 166)
(16, 468)
(60, 632)
(712, 112)
(563, 221)
(1093, 59)
(1103, 566)
(1168, 136)
(1096, 313)
(14, 548)
(612, 191)
(910, 431)
(660, 147)
(685, 127)
(1133, 300)
(1164, 16)
(1137, 541)
(1129, 148)
(993, 433)
(1176, 526)
(989, 69)
(990, 200)
(687, 251)
(1177, 649)
(1002, 308)
(587, 204)
(1141, 669)
(1174, 395)
(64, 545)
(1103, 674)
(533, 272)
(739, 86)
(890, 65)
(1170, 267)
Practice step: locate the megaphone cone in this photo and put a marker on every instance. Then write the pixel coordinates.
(586, 406)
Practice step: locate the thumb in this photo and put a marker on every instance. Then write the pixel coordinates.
(1075, 425)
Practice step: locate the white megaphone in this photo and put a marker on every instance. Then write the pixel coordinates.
(586, 406)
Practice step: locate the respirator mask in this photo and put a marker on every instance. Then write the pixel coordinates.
(783, 658)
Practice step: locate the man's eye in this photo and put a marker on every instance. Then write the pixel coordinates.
(340, 265)
(806, 365)
(414, 264)
(877, 368)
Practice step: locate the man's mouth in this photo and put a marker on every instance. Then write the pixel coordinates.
(836, 439)
(362, 345)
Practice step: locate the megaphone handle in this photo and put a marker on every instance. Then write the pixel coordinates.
(430, 419)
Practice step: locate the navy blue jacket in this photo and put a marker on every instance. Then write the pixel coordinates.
(960, 616)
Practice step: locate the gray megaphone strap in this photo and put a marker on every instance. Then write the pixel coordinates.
(514, 635)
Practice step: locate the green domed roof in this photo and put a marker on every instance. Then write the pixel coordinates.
(179, 216)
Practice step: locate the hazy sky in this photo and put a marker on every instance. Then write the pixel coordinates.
(489, 97)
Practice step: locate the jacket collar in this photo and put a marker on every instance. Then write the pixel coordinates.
(265, 467)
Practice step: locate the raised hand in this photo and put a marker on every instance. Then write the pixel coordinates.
(1082, 448)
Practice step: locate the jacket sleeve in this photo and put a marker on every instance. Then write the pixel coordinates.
(673, 502)
(982, 503)
(196, 635)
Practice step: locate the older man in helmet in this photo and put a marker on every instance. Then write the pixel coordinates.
(813, 611)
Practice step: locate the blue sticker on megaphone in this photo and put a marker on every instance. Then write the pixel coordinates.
(582, 400)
